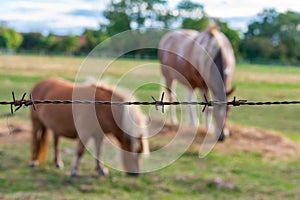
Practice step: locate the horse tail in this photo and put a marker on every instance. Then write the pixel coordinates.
(43, 146)
(40, 138)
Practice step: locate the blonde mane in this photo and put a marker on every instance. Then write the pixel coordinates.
(213, 29)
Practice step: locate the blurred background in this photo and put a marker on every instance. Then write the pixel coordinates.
(260, 160)
(265, 32)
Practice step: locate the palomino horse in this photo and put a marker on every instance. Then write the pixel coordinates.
(190, 57)
(62, 121)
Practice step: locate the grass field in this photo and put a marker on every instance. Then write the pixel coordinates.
(253, 176)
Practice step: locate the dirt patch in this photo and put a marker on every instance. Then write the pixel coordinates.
(268, 144)
(14, 133)
(252, 139)
(244, 139)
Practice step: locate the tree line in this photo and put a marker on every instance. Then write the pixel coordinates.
(270, 36)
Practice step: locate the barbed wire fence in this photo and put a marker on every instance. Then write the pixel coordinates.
(16, 104)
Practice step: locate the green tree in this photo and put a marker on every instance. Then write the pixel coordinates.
(92, 39)
(257, 47)
(281, 30)
(32, 41)
(119, 21)
(196, 24)
(189, 9)
(289, 33)
(9, 38)
(67, 44)
(131, 14)
(192, 15)
(265, 26)
(231, 34)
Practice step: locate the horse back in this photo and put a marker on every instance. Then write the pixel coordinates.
(58, 118)
(179, 58)
(61, 118)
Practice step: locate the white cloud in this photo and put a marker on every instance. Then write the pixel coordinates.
(50, 15)
(47, 15)
(238, 13)
(239, 8)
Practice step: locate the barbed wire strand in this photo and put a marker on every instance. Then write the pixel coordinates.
(17, 104)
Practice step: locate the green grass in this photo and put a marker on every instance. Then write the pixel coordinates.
(268, 83)
(189, 177)
(253, 179)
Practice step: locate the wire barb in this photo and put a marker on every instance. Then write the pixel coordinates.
(206, 103)
(235, 102)
(20, 103)
(159, 103)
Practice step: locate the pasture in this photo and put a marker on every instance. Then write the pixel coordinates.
(259, 161)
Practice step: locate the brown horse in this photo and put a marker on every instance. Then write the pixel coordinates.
(198, 60)
(125, 123)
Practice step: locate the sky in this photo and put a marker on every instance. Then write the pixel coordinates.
(73, 16)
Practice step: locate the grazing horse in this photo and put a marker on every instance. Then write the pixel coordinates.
(190, 57)
(126, 123)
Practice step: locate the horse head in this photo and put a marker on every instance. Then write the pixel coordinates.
(131, 156)
(135, 142)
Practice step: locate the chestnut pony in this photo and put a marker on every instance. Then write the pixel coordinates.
(190, 57)
(125, 123)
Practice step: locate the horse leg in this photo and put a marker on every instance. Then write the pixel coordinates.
(169, 85)
(57, 158)
(207, 111)
(76, 160)
(98, 139)
(34, 147)
(226, 129)
(192, 115)
(219, 123)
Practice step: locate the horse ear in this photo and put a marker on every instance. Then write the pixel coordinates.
(228, 93)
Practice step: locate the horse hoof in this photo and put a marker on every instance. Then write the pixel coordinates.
(73, 175)
(222, 137)
(102, 172)
(59, 166)
(132, 174)
(31, 165)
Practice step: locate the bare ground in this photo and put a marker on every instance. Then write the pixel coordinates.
(243, 139)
